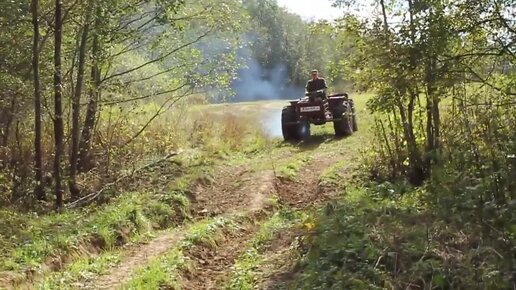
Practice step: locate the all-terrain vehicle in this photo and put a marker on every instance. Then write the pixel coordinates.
(318, 109)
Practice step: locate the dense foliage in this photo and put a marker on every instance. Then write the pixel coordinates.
(444, 78)
(97, 80)
(279, 50)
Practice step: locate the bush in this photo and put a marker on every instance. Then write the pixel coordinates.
(369, 241)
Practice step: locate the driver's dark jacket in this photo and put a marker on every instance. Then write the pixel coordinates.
(315, 85)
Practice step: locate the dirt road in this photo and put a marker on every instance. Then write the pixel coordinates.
(247, 194)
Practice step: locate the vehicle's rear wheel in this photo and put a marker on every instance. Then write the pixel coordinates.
(289, 127)
(344, 126)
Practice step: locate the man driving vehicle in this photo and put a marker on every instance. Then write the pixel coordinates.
(316, 83)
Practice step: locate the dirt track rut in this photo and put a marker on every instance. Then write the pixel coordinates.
(237, 190)
(133, 259)
(212, 266)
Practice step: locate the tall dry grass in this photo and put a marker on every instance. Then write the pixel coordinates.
(189, 124)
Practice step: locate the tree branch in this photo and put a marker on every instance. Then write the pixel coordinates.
(159, 58)
(161, 109)
(92, 196)
(154, 75)
(144, 97)
(472, 71)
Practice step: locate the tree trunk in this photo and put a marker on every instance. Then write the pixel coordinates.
(416, 172)
(429, 126)
(6, 120)
(84, 163)
(38, 163)
(429, 116)
(433, 115)
(437, 121)
(58, 110)
(384, 13)
(76, 106)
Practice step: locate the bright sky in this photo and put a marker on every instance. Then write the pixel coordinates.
(312, 9)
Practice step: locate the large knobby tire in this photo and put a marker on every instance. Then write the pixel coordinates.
(344, 126)
(290, 131)
(304, 131)
(354, 119)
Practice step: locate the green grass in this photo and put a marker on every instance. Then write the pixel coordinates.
(332, 175)
(383, 234)
(164, 271)
(160, 272)
(291, 168)
(279, 221)
(28, 240)
(274, 152)
(58, 234)
(243, 275)
(345, 250)
(82, 269)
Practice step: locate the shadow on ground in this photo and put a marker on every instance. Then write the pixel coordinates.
(314, 142)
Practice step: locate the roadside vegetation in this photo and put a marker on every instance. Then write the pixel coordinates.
(435, 209)
(243, 274)
(165, 271)
(291, 168)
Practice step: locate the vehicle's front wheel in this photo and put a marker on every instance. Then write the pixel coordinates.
(343, 126)
(289, 126)
(304, 130)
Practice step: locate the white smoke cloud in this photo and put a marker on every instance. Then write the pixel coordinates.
(254, 82)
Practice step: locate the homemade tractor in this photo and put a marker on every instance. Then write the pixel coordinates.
(317, 109)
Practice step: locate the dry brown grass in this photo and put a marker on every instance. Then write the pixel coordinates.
(188, 125)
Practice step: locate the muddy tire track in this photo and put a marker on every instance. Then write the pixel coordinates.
(279, 266)
(237, 190)
(211, 265)
(132, 260)
(305, 190)
(214, 266)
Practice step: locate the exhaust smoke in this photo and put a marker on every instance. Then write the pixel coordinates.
(271, 123)
(255, 82)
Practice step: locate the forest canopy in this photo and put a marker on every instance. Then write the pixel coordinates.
(72, 63)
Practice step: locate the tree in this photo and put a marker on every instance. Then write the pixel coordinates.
(76, 102)
(58, 109)
(38, 163)
(105, 54)
(430, 49)
(15, 73)
(94, 95)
